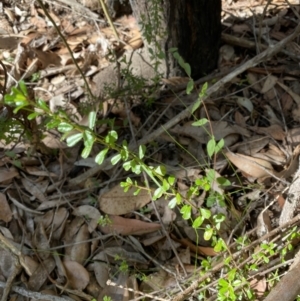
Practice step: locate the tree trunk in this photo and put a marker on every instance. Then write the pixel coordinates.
(192, 26)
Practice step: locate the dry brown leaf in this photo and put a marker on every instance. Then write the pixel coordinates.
(185, 256)
(101, 270)
(48, 58)
(293, 136)
(6, 263)
(135, 41)
(36, 189)
(128, 256)
(239, 119)
(176, 81)
(273, 155)
(76, 232)
(126, 226)
(78, 276)
(207, 251)
(38, 22)
(7, 175)
(275, 131)
(227, 53)
(31, 265)
(54, 222)
(53, 141)
(157, 281)
(264, 225)
(41, 242)
(51, 204)
(280, 199)
(253, 79)
(269, 83)
(231, 139)
(41, 274)
(117, 202)
(88, 211)
(252, 145)
(5, 212)
(91, 213)
(255, 168)
(295, 96)
(259, 286)
(244, 102)
(34, 171)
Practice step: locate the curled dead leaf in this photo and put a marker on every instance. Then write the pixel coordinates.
(126, 226)
(254, 167)
(77, 275)
(5, 212)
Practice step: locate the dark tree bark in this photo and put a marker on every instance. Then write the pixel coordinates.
(192, 26)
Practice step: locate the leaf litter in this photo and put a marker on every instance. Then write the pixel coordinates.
(75, 241)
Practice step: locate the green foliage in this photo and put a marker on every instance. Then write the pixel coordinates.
(104, 221)
(233, 286)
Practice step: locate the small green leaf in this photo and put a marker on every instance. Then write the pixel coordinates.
(203, 90)
(165, 185)
(135, 166)
(142, 151)
(88, 138)
(223, 181)
(208, 233)
(129, 181)
(171, 180)
(210, 175)
(222, 282)
(52, 124)
(16, 110)
(173, 50)
(64, 127)
(178, 198)
(127, 165)
(9, 99)
(211, 147)
(86, 151)
(18, 94)
(158, 193)
(42, 104)
(101, 156)
(186, 212)
(92, 119)
(111, 137)
(205, 213)
(219, 145)
(196, 105)
(72, 140)
(190, 87)
(198, 222)
(124, 153)
(219, 246)
(161, 170)
(172, 203)
(115, 159)
(200, 122)
(137, 191)
(32, 115)
(23, 88)
(187, 69)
